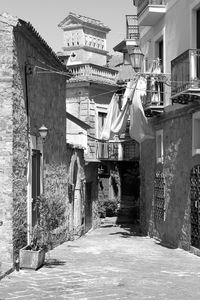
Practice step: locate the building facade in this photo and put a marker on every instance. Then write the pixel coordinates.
(89, 93)
(169, 164)
(33, 89)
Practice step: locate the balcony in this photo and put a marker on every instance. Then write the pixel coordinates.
(150, 11)
(118, 151)
(94, 73)
(153, 101)
(185, 76)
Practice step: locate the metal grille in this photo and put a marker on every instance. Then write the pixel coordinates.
(131, 150)
(159, 196)
(195, 206)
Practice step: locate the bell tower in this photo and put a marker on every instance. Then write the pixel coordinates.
(84, 40)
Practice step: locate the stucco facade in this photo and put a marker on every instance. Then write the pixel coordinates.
(168, 207)
(84, 39)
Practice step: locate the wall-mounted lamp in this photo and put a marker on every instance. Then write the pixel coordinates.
(136, 57)
(43, 132)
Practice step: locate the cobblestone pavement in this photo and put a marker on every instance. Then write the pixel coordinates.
(109, 263)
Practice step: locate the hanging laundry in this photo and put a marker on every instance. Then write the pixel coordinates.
(112, 114)
(139, 129)
(128, 92)
(119, 125)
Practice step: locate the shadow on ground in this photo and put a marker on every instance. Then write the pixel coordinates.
(162, 244)
(131, 230)
(52, 263)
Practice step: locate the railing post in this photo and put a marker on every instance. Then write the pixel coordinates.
(120, 151)
(193, 70)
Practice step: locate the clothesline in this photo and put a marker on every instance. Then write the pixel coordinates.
(116, 119)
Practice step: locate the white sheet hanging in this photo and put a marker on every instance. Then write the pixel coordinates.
(112, 114)
(130, 87)
(119, 125)
(139, 129)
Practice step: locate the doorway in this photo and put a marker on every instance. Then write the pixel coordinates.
(36, 155)
(129, 210)
(88, 206)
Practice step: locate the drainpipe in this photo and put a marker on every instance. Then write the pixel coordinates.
(28, 71)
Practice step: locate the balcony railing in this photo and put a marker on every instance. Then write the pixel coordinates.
(132, 28)
(112, 150)
(143, 4)
(91, 72)
(185, 71)
(153, 101)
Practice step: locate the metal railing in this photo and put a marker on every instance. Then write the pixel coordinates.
(113, 150)
(185, 71)
(155, 93)
(132, 28)
(143, 4)
(91, 72)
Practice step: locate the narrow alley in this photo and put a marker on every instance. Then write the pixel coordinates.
(111, 262)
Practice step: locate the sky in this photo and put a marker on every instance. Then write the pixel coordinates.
(45, 15)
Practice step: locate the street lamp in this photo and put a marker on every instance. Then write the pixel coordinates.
(43, 132)
(136, 57)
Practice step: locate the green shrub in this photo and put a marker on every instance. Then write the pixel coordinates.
(108, 208)
(51, 215)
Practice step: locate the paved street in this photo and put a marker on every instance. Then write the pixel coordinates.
(109, 263)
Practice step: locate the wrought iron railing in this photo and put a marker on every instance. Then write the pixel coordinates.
(91, 72)
(155, 92)
(132, 28)
(143, 4)
(113, 150)
(185, 71)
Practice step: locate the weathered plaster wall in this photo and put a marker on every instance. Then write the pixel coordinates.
(83, 99)
(176, 167)
(73, 196)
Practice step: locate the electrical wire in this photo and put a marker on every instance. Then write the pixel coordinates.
(47, 71)
(146, 75)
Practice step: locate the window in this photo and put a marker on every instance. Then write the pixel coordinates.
(159, 146)
(159, 53)
(195, 133)
(159, 197)
(198, 41)
(101, 120)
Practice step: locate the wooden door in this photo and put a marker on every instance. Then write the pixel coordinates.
(35, 184)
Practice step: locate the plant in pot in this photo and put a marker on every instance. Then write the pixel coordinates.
(50, 215)
(32, 256)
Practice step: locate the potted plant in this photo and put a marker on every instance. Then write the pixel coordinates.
(33, 256)
(50, 215)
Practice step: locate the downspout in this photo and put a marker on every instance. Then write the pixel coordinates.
(28, 71)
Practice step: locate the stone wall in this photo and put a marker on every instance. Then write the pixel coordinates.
(41, 96)
(174, 229)
(6, 143)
